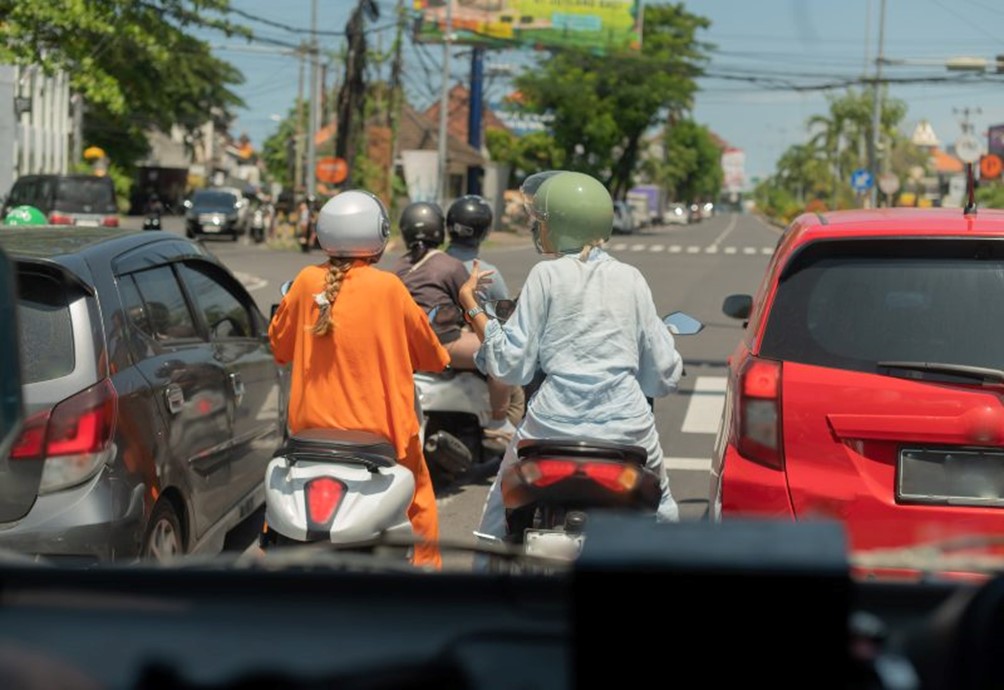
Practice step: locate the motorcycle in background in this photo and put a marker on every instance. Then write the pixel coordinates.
(550, 490)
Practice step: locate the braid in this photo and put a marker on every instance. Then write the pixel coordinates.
(584, 254)
(332, 284)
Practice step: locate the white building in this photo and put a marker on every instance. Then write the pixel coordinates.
(36, 123)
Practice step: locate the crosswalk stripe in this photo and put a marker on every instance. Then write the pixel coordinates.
(730, 250)
(704, 410)
(637, 247)
(675, 249)
(620, 246)
(656, 248)
(711, 249)
(749, 250)
(766, 251)
(693, 250)
(689, 464)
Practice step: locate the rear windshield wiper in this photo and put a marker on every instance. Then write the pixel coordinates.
(983, 374)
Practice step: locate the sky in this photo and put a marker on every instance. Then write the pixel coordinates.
(770, 58)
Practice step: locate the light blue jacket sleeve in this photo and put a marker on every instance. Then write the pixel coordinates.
(660, 365)
(509, 353)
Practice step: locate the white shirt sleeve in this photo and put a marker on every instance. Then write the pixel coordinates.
(659, 364)
(510, 352)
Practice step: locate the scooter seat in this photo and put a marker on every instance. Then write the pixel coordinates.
(340, 441)
(586, 448)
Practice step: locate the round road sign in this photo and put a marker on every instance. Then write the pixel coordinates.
(967, 148)
(888, 183)
(991, 166)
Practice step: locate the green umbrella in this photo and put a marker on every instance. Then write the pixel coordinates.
(25, 215)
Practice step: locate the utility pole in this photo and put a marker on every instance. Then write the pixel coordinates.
(315, 110)
(474, 115)
(394, 106)
(444, 106)
(298, 165)
(873, 153)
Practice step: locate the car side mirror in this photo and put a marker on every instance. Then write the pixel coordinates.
(11, 403)
(738, 306)
(680, 323)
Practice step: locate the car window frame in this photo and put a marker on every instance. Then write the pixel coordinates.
(200, 337)
(222, 277)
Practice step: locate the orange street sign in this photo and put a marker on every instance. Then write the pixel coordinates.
(991, 166)
(331, 170)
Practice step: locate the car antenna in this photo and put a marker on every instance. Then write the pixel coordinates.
(970, 208)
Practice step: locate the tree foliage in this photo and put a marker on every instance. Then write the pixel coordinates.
(135, 62)
(526, 154)
(690, 166)
(604, 104)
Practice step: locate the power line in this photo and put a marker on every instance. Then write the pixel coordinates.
(301, 29)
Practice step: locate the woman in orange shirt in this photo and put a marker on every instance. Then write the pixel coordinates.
(355, 337)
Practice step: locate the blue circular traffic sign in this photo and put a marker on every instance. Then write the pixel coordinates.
(862, 180)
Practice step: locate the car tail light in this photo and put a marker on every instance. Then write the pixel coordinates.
(613, 476)
(759, 417)
(110, 221)
(72, 439)
(324, 495)
(57, 218)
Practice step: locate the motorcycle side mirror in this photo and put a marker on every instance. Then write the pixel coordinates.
(284, 288)
(738, 306)
(680, 323)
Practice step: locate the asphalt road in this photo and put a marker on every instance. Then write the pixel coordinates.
(689, 268)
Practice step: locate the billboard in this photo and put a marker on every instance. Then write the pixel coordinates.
(995, 140)
(734, 170)
(599, 25)
(519, 121)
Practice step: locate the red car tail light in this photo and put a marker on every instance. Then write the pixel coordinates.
(57, 218)
(759, 414)
(71, 438)
(324, 495)
(110, 221)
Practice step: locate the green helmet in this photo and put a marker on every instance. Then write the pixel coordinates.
(25, 215)
(568, 210)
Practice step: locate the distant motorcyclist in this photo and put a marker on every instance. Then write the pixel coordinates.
(589, 323)
(355, 337)
(468, 223)
(434, 278)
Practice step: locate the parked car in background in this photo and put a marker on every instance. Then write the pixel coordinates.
(694, 214)
(676, 214)
(216, 211)
(84, 200)
(867, 384)
(153, 402)
(624, 220)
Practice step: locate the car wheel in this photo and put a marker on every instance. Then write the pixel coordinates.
(164, 539)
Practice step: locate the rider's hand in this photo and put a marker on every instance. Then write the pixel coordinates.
(478, 279)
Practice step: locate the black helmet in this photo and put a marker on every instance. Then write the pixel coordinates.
(422, 222)
(469, 220)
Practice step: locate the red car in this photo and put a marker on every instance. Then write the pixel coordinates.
(869, 383)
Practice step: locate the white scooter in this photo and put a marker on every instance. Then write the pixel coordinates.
(455, 409)
(339, 488)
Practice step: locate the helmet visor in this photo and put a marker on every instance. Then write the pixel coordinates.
(529, 191)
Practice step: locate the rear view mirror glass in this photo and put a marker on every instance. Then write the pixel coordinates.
(680, 323)
(738, 306)
(11, 409)
(284, 288)
(502, 309)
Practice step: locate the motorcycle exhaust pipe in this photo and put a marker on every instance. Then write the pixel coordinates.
(448, 452)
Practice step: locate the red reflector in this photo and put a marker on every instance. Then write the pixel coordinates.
(31, 444)
(83, 423)
(60, 219)
(606, 474)
(110, 221)
(324, 495)
(544, 472)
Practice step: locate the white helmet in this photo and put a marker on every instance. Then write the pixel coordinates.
(353, 224)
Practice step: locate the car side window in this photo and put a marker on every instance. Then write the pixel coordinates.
(161, 312)
(226, 313)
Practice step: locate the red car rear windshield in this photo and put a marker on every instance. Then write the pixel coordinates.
(851, 304)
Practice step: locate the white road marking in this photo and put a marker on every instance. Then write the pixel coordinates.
(657, 248)
(637, 247)
(250, 282)
(687, 464)
(620, 246)
(730, 250)
(675, 249)
(704, 411)
(725, 233)
(693, 250)
(713, 249)
(749, 250)
(766, 251)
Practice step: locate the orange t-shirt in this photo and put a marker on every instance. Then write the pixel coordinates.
(359, 375)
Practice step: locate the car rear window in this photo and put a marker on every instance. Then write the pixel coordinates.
(219, 201)
(73, 193)
(45, 327)
(850, 305)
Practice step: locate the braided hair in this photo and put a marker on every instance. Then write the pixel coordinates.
(337, 270)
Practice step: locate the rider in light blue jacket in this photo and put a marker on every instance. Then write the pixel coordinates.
(589, 323)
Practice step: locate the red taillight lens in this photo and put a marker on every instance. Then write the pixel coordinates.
(60, 219)
(759, 416)
(324, 495)
(545, 472)
(614, 476)
(82, 424)
(110, 221)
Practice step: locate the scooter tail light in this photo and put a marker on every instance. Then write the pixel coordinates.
(616, 477)
(542, 473)
(324, 496)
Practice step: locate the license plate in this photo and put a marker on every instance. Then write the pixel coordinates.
(211, 228)
(552, 543)
(87, 223)
(951, 477)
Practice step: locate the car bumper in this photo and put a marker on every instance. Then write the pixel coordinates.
(228, 228)
(97, 521)
(742, 488)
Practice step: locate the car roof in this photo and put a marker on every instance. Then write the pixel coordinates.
(894, 222)
(73, 249)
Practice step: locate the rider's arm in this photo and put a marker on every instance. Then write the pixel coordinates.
(427, 354)
(509, 353)
(660, 364)
(282, 330)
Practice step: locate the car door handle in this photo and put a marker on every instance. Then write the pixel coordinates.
(175, 398)
(237, 385)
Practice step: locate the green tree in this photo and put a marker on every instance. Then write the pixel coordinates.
(524, 154)
(279, 147)
(690, 167)
(136, 64)
(604, 104)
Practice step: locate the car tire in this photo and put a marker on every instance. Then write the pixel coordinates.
(164, 539)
